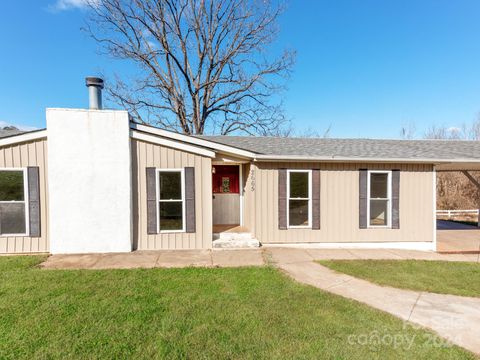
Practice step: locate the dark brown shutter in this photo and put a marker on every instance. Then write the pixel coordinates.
(363, 191)
(282, 199)
(190, 199)
(34, 201)
(395, 199)
(316, 199)
(151, 201)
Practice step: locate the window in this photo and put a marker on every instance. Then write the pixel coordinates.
(13, 210)
(225, 184)
(379, 198)
(299, 188)
(171, 196)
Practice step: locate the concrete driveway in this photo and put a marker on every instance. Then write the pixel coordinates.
(453, 225)
(453, 237)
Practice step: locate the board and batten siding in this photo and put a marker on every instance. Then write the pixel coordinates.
(249, 197)
(145, 155)
(339, 204)
(22, 155)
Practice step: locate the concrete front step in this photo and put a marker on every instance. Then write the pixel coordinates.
(232, 236)
(236, 244)
(234, 240)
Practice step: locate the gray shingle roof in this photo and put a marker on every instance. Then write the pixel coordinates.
(354, 148)
(7, 133)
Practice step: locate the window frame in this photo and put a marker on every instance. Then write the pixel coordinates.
(25, 203)
(389, 199)
(157, 191)
(309, 172)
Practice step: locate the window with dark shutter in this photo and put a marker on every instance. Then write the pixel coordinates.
(363, 193)
(316, 199)
(151, 201)
(171, 200)
(34, 201)
(299, 196)
(395, 199)
(382, 198)
(379, 199)
(190, 199)
(282, 199)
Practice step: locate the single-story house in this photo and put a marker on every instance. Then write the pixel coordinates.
(95, 181)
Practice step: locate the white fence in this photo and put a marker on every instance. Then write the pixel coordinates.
(452, 213)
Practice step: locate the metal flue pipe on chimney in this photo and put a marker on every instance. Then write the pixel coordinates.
(95, 86)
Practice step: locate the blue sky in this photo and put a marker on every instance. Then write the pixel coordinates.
(364, 67)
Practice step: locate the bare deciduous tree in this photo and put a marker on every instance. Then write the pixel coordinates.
(443, 133)
(308, 132)
(407, 132)
(204, 65)
(467, 131)
(471, 131)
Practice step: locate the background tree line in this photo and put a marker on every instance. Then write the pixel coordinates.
(454, 190)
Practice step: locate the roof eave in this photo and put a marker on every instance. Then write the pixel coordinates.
(158, 140)
(221, 148)
(274, 158)
(23, 137)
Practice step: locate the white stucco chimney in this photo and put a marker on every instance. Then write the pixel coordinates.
(89, 181)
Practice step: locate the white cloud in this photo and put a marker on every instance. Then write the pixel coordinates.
(62, 5)
(454, 129)
(19, 127)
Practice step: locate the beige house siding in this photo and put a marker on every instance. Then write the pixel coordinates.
(145, 155)
(249, 197)
(33, 153)
(339, 209)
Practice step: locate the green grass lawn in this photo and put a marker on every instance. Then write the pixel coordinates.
(443, 277)
(192, 313)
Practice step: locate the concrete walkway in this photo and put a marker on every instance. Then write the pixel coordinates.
(152, 259)
(366, 254)
(455, 318)
(232, 258)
